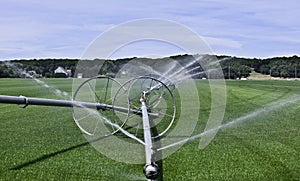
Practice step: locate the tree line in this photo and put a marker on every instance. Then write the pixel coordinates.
(232, 67)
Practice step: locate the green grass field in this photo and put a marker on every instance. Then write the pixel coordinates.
(43, 143)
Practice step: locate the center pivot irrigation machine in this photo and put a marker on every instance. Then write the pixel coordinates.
(142, 108)
(149, 106)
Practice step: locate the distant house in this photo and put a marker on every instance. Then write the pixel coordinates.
(61, 71)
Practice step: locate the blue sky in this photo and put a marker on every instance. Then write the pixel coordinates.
(63, 29)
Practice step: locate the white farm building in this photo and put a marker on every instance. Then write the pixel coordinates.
(61, 70)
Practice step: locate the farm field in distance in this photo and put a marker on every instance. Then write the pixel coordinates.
(44, 143)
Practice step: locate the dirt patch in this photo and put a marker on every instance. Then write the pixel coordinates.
(259, 76)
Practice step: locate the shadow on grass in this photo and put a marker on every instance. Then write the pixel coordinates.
(157, 154)
(47, 156)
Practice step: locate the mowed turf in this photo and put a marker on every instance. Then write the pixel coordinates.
(43, 143)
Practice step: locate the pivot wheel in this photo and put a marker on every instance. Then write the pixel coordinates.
(98, 90)
(159, 101)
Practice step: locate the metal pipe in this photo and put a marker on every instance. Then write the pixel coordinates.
(151, 170)
(21, 100)
(147, 133)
